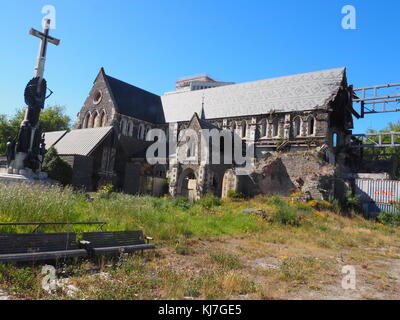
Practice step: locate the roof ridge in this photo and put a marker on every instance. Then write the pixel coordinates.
(131, 85)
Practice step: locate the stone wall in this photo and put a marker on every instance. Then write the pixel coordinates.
(82, 172)
(285, 173)
(92, 106)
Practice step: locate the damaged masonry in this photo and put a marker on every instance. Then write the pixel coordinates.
(297, 129)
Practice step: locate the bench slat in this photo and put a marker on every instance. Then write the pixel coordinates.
(43, 255)
(41, 242)
(115, 242)
(46, 246)
(127, 249)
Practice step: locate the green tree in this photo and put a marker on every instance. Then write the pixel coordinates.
(57, 168)
(51, 119)
(6, 131)
(386, 139)
(386, 153)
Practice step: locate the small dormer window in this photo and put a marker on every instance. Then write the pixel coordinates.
(97, 97)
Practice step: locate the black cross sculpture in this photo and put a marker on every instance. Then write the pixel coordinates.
(28, 152)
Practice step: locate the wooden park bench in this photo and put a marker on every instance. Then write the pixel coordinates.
(31, 247)
(23, 247)
(98, 243)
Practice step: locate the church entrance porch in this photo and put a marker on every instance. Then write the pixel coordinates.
(187, 184)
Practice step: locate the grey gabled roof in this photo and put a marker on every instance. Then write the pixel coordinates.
(298, 92)
(51, 138)
(135, 102)
(81, 142)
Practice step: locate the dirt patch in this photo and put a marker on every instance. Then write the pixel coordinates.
(284, 272)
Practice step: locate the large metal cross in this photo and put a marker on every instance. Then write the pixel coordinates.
(46, 38)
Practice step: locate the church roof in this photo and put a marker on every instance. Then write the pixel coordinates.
(204, 124)
(51, 138)
(80, 142)
(135, 102)
(297, 92)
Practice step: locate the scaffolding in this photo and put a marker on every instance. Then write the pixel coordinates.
(378, 99)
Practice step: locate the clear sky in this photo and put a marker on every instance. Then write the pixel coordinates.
(151, 43)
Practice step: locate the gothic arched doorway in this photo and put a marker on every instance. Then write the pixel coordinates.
(187, 184)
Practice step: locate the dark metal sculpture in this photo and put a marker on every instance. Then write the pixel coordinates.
(28, 149)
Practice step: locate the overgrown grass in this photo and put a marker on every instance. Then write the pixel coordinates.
(162, 218)
(199, 261)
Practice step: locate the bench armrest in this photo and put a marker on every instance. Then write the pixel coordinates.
(84, 243)
(148, 239)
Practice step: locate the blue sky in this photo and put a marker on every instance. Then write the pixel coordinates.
(152, 43)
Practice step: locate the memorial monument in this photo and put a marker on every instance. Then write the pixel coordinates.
(25, 152)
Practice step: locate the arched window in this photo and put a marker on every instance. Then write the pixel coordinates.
(95, 120)
(297, 127)
(86, 121)
(311, 126)
(233, 126)
(123, 127)
(141, 132)
(244, 129)
(103, 119)
(148, 128)
(130, 129)
(190, 148)
(276, 127)
(335, 140)
(264, 128)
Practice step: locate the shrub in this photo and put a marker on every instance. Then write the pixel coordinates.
(390, 218)
(57, 168)
(352, 202)
(226, 260)
(275, 201)
(233, 194)
(183, 203)
(209, 201)
(320, 205)
(183, 251)
(106, 192)
(287, 216)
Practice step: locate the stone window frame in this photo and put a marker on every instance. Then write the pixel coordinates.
(233, 127)
(146, 131)
(297, 124)
(141, 131)
(191, 149)
(122, 127)
(94, 122)
(103, 118)
(243, 129)
(129, 130)
(314, 126)
(87, 120)
(97, 96)
(264, 126)
(276, 127)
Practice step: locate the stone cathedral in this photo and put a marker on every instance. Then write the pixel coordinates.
(300, 127)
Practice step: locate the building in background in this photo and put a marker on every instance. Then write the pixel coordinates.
(292, 115)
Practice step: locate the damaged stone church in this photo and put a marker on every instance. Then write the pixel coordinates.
(300, 127)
